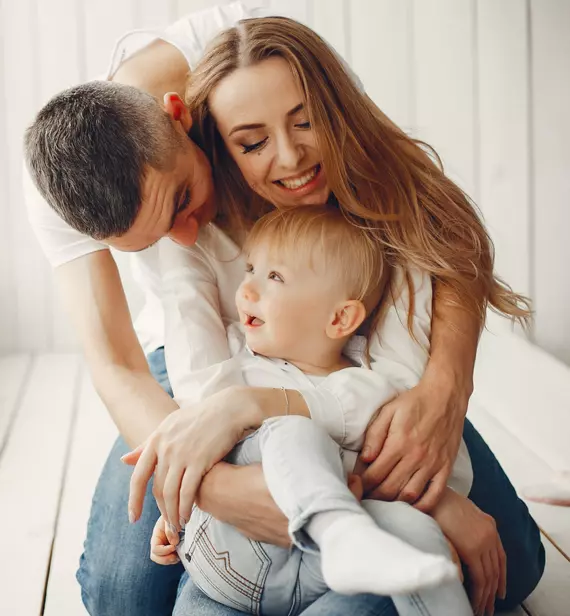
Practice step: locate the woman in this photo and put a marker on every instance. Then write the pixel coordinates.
(285, 125)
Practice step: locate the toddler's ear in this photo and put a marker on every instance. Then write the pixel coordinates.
(347, 318)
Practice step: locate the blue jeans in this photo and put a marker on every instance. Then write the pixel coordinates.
(118, 578)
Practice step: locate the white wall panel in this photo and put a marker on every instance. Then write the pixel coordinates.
(61, 64)
(551, 158)
(380, 37)
(21, 77)
(8, 269)
(443, 42)
(329, 19)
(102, 31)
(301, 10)
(153, 14)
(504, 146)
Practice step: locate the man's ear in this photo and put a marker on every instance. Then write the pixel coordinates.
(347, 318)
(177, 110)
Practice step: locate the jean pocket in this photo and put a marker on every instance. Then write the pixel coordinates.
(226, 566)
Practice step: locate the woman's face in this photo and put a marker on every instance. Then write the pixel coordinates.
(259, 111)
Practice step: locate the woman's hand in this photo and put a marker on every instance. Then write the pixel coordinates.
(412, 445)
(474, 535)
(181, 451)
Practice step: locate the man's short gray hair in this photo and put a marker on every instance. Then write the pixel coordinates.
(87, 151)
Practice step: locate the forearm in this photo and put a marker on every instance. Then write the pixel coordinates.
(454, 340)
(134, 399)
(238, 495)
(260, 403)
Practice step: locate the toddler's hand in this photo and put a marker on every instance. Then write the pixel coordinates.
(162, 552)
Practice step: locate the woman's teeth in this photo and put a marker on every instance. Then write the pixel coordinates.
(298, 182)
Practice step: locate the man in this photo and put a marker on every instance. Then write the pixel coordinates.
(111, 187)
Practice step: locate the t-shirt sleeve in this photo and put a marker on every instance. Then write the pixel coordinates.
(198, 356)
(190, 34)
(60, 242)
(393, 351)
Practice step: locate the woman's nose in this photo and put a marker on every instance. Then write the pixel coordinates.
(290, 153)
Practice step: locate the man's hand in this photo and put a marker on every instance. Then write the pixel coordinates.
(412, 444)
(238, 495)
(474, 535)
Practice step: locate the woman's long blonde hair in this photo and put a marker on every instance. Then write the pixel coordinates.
(379, 177)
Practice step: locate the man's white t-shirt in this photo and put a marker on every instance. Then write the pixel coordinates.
(60, 242)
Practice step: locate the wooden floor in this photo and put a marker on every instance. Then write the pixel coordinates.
(54, 437)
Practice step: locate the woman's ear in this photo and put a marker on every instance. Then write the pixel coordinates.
(177, 110)
(347, 318)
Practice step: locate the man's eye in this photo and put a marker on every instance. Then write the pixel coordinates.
(253, 146)
(185, 202)
(275, 276)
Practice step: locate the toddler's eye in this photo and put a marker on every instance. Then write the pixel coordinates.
(276, 276)
(248, 268)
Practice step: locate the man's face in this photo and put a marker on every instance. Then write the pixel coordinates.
(175, 202)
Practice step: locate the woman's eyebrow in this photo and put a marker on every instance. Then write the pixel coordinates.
(239, 127)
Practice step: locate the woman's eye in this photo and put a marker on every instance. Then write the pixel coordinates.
(254, 146)
(303, 125)
(275, 276)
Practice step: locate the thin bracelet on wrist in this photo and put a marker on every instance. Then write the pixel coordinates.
(286, 400)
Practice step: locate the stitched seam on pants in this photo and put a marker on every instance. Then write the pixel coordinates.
(221, 569)
(417, 601)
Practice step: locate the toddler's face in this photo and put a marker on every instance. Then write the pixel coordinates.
(285, 304)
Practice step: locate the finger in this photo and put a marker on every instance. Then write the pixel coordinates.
(173, 559)
(188, 488)
(492, 569)
(163, 550)
(477, 583)
(376, 435)
(355, 486)
(132, 457)
(433, 493)
(397, 478)
(493, 564)
(158, 538)
(160, 473)
(502, 590)
(171, 494)
(172, 534)
(139, 479)
(381, 468)
(415, 487)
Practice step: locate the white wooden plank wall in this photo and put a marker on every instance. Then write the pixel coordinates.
(486, 82)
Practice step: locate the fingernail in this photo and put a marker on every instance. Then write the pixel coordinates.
(132, 518)
(365, 452)
(183, 523)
